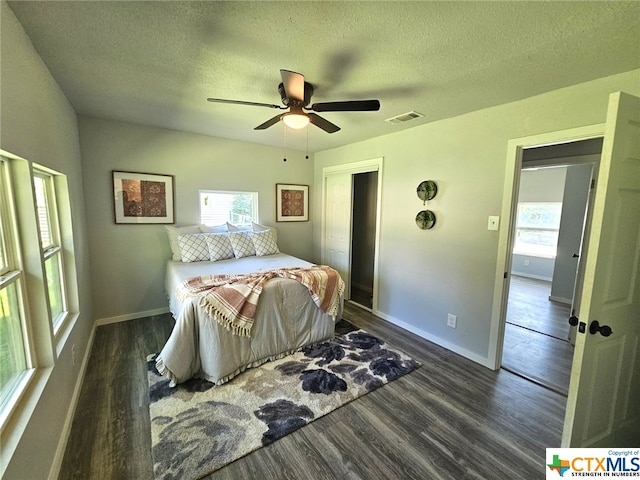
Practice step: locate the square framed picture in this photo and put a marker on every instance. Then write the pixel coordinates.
(292, 203)
(143, 198)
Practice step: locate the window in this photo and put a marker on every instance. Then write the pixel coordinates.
(35, 295)
(537, 227)
(217, 207)
(14, 357)
(51, 245)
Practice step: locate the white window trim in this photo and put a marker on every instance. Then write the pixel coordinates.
(14, 274)
(55, 248)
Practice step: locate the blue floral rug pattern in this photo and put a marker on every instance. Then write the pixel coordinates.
(197, 427)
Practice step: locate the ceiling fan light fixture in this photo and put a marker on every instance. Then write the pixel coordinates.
(295, 120)
(296, 95)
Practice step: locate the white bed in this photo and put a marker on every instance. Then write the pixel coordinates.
(286, 319)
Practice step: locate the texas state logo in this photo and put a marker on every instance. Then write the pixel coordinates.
(592, 462)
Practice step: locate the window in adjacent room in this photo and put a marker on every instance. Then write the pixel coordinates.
(14, 354)
(48, 221)
(218, 207)
(537, 227)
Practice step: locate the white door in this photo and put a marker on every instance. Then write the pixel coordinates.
(337, 221)
(604, 393)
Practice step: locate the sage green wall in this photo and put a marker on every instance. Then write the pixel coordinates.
(423, 275)
(128, 261)
(39, 124)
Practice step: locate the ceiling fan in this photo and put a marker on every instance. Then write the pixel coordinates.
(296, 95)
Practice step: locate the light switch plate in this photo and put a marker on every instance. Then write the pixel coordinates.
(494, 223)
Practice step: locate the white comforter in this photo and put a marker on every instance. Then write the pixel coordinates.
(286, 319)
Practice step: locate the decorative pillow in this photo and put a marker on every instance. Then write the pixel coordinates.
(238, 228)
(242, 244)
(214, 229)
(173, 233)
(256, 227)
(264, 243)
(193, 247)
(219, 246)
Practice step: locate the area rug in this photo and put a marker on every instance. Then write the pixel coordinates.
(197, 427)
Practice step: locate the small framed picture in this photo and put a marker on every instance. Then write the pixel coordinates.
(143, 198)
(292, 203)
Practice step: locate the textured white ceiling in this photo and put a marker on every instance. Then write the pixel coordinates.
(155, 63)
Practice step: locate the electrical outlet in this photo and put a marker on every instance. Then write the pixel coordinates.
(451, 320)
(73, 354)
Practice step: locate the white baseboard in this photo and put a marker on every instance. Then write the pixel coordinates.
(566, 301)
(531, 275)
(131, 316)
(484, 361)
(54, 472)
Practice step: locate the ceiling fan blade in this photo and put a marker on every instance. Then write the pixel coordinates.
(268, 123)
(241, 102)
(348, 106)
(325, 125)
(293, 84)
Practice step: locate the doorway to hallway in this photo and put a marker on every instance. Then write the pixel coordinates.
(553, 194)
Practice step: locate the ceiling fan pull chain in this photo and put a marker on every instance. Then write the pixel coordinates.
(284, 142)
(307, 155)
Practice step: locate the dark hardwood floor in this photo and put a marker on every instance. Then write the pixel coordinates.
(361, 296)
(535, 341)
(529, 307)
(449, 419)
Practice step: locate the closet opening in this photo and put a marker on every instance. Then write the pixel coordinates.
(351, 200)
(363, 237)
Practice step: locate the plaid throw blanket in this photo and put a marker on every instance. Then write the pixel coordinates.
(232, 299)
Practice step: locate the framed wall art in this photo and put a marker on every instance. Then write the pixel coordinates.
(143, 198)
(292, 203)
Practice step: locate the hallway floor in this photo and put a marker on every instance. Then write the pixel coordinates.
(535, 343)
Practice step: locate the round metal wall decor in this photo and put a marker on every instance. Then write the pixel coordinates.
(427, 190)
(425, 219)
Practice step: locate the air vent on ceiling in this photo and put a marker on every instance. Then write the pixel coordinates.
(404, 117)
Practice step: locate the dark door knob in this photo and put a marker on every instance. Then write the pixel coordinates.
(575, 255)
(595, 327)
(573, 320)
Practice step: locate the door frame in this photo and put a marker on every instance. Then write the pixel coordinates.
(353, 168)
(506, 237)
